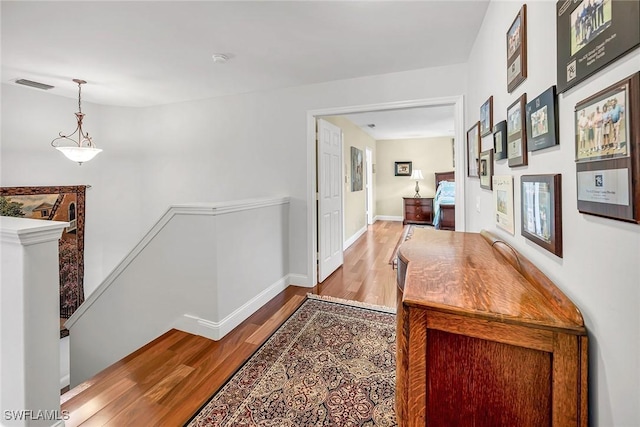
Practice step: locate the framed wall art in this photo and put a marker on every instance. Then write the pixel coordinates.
(503, 202)
(542, 121)
(591, 34)
(486, 169)
(486, 117)
(500, 140)
(516, 135)
(56, 204)
(608, 151)
(356, 169)
(517, 50)
(403, 168)
(541, 212)
(473, 150)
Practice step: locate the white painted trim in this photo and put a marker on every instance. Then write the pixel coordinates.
(65, 381)
(27, 231)
(211, 209)
(299, 280)
(217, 330)
(351, 240)
(389, 218)
(457, 101)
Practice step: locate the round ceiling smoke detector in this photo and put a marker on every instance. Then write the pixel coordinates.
(220, 58)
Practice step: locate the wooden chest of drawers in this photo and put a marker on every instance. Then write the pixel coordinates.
(418, 210)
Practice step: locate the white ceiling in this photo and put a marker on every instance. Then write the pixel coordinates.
(422, 122)
(144, 53)
(157, 52)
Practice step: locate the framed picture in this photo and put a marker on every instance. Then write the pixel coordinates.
(356, 169)
(486, 117)
(517, 50)
(542, 121)
(57, 204)
(486, 169)
(602, 127)
(473, 149)
(516, 135)
(500, 140)
(608, 151)
(541, 213)
(592, 34)
(503, 202)
(403, 168)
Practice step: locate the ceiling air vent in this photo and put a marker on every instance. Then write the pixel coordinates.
(34, 84)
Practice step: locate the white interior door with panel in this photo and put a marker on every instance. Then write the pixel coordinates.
(330, 255)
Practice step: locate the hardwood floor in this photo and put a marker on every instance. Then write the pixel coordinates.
(165, 382)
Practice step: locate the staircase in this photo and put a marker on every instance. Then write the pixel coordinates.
(166, 381)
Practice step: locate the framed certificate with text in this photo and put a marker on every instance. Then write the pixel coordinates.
(591, 34)
(608, 151)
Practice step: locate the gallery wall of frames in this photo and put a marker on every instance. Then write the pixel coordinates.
(590, 36)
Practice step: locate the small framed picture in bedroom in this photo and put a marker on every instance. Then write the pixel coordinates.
(403, 168)
(541, 211)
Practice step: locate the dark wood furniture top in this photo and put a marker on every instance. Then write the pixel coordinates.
(445, 176)
(418, 210)
(477, 274)
(484, 337)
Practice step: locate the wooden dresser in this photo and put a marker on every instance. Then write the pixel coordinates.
(484, 337)
(418, 210)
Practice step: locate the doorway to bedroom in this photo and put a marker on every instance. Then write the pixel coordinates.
(427, 134)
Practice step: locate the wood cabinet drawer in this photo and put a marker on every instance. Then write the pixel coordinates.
(418, 210)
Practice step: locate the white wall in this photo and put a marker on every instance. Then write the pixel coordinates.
(226, 148)
(600, 270)
(202, 269)
(430, 155)
(30, 120)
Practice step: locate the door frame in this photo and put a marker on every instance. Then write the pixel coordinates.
(368, 156)
(312, 225)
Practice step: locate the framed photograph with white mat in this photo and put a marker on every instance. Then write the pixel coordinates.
(503, 202)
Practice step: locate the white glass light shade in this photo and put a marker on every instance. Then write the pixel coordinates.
(417, 174)
(79, 154)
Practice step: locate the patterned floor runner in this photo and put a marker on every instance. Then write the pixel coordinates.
(330, 364)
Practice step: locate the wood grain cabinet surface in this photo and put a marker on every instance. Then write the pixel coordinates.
(418, 210)
(484, 337)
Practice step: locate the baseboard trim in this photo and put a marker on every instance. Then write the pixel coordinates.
(299, 280)
(388, 218)
(65, 381)
(351, 240)
(217, 330)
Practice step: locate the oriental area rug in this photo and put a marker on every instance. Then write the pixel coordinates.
(332, 363)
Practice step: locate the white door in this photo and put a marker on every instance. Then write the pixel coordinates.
(329, 199)
(369, 161)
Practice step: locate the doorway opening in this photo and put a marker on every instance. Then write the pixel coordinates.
(312, 183)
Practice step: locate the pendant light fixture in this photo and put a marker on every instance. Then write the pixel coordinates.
(83, 149)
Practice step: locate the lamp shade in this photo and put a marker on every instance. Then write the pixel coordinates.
(417, 174)
(79, 154)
